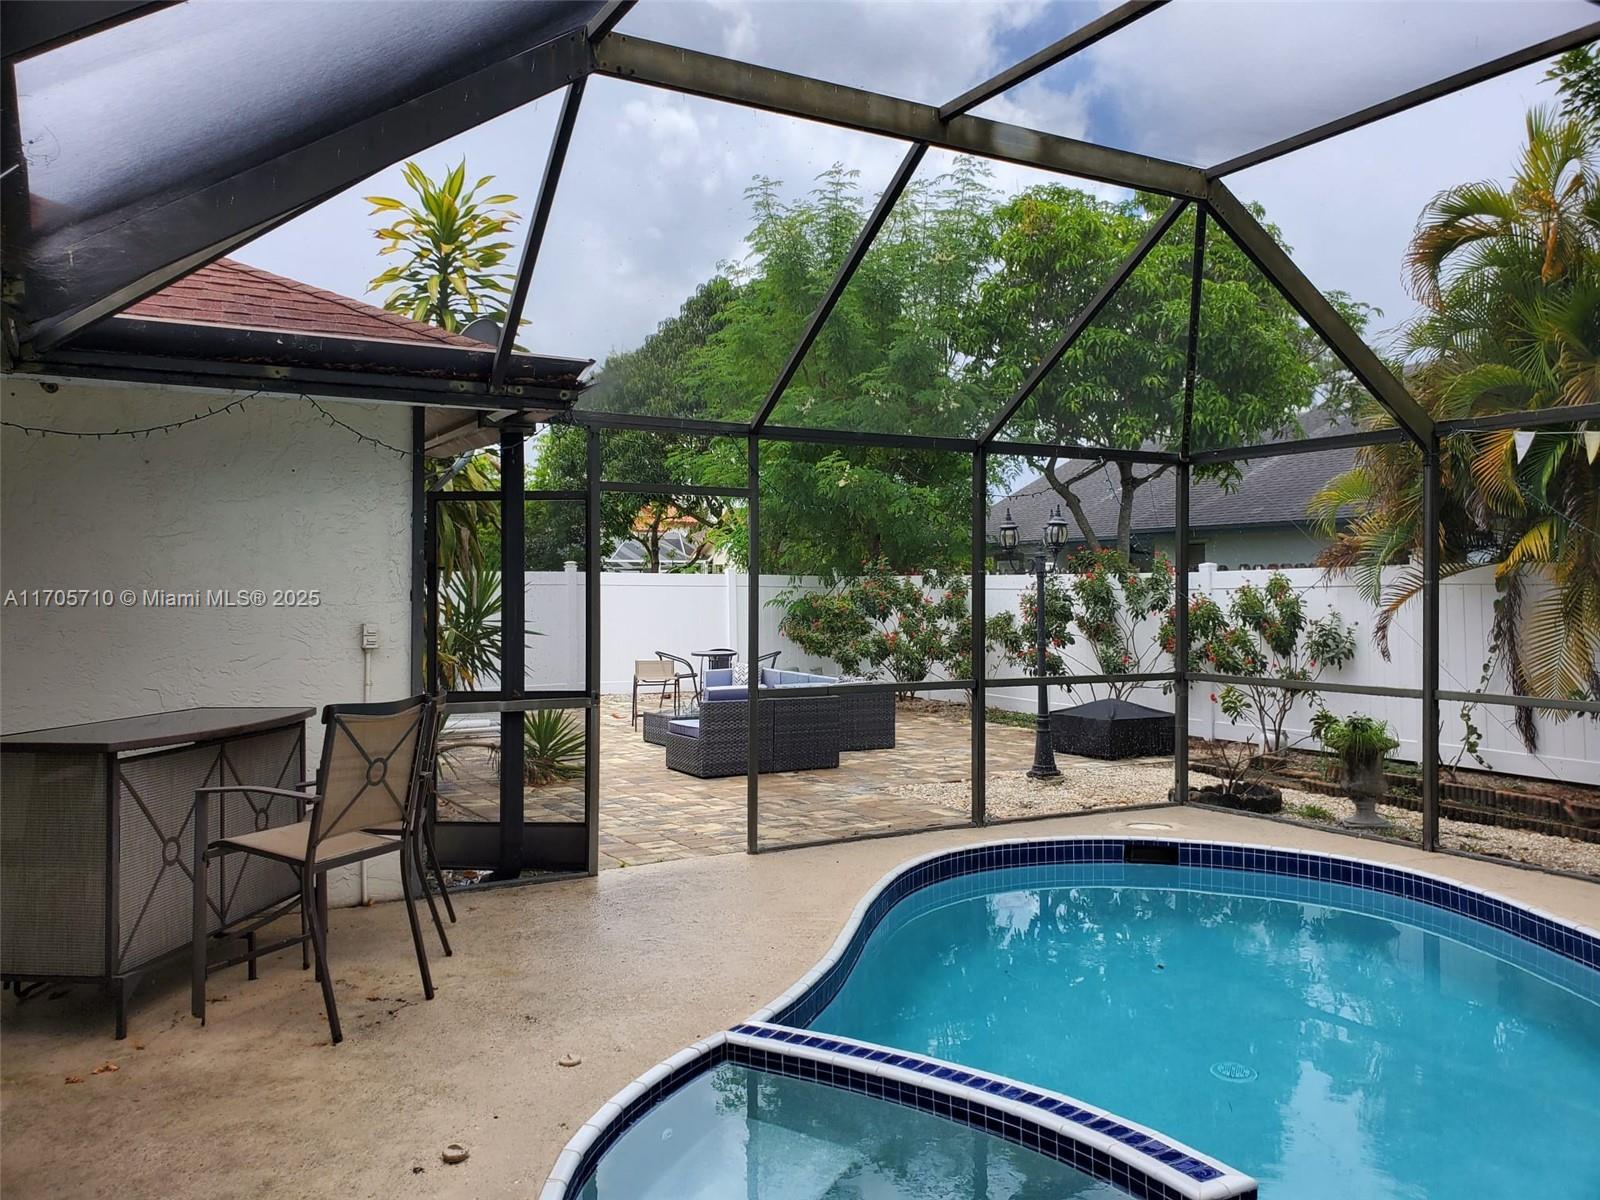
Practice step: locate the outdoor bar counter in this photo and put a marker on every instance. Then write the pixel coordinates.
(96, 838)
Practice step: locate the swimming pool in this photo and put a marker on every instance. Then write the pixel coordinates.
(1329, 1027)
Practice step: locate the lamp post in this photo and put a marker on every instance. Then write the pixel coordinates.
(1008, 537)
(1044, 752)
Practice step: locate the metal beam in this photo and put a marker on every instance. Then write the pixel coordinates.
(1055, 52)
(752, 636)
(841, 278)
(604, 21)
(1262, 249)
(1430, 645)
(700, 74)
(1090, 311)
(844, 437)
(1340, 441)
(1527, 56)
(1500, 699)
(419, 548)
(513, 652)
(1180, 520)
(29, 29)
(258, 377)
(1536, 418)
(591, 649)
(1309, 685)
(536, 227)
(979, 647)
(1073, 450)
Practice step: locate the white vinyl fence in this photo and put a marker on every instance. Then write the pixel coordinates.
(643, 613)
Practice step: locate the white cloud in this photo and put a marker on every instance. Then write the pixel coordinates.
(653, 195)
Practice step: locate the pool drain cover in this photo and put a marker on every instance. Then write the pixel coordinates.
(1232, 1072)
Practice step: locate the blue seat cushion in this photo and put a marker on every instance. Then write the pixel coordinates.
(687, 727)
(717, 677)
(713, 694)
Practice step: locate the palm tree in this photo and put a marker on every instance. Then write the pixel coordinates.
(1509, 280)
(451, 247)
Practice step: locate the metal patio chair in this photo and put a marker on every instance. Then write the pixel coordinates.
(682, 669)
(370, 779)
(653, 673)
(424, 852)
(768, 660)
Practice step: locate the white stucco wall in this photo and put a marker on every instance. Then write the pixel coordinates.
(1231, 549)
(269, 497)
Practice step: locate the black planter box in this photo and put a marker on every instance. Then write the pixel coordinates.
(1111, 729)
(1251, 798)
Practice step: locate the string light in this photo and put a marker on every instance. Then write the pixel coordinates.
(363, 437)
(144, 431)
(173, 426)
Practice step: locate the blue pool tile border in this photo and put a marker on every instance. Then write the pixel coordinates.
(1055, 1127)
(963, 1097)
(802, 1003)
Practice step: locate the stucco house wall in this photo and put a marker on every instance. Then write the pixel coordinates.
(1231, 549)
(270, 496)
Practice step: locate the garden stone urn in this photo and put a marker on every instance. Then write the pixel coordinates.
(1365, 783)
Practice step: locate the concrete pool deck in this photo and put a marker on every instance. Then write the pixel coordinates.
(621, 970)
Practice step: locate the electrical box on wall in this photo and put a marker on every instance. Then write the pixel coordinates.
(369, 636)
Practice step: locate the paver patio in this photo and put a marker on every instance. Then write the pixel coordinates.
(650, 814)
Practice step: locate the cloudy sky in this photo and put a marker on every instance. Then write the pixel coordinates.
(653, 195)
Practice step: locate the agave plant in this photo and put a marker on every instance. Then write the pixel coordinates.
(1509, 277)
(451, 247)
(552, 746)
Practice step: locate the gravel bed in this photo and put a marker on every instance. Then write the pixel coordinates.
(1086, 786)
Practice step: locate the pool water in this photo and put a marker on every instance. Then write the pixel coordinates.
(739, 1132)
(1309, 1034)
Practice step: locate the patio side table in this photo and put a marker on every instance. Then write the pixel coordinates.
(719, 659)
(96, 837)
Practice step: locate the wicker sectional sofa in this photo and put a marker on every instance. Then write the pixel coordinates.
(799, 733)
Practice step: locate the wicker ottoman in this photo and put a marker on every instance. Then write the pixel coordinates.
(655, 724)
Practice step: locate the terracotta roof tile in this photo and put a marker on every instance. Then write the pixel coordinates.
(236, 295)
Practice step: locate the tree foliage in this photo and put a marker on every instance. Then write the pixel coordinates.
(962, 292)
(1264, 632)
(1509, 279)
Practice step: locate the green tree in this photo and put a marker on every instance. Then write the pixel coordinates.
(451, 249)
(1577, 77)
(1510, 286)
(657, 378)
(1120, 384)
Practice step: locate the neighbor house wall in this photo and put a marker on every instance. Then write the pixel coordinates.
(270, 496)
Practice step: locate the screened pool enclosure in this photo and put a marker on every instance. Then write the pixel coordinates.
(234, 120)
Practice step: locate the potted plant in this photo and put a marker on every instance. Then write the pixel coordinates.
(1237, 765)
(1360, 743)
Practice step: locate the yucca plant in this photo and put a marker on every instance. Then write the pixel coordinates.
(452, 249)
(469, 627)
(552, 746)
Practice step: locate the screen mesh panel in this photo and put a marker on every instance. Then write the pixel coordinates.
(52, 856)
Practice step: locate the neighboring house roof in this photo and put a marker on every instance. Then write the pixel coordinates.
(1273, 492)
(236, 295)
